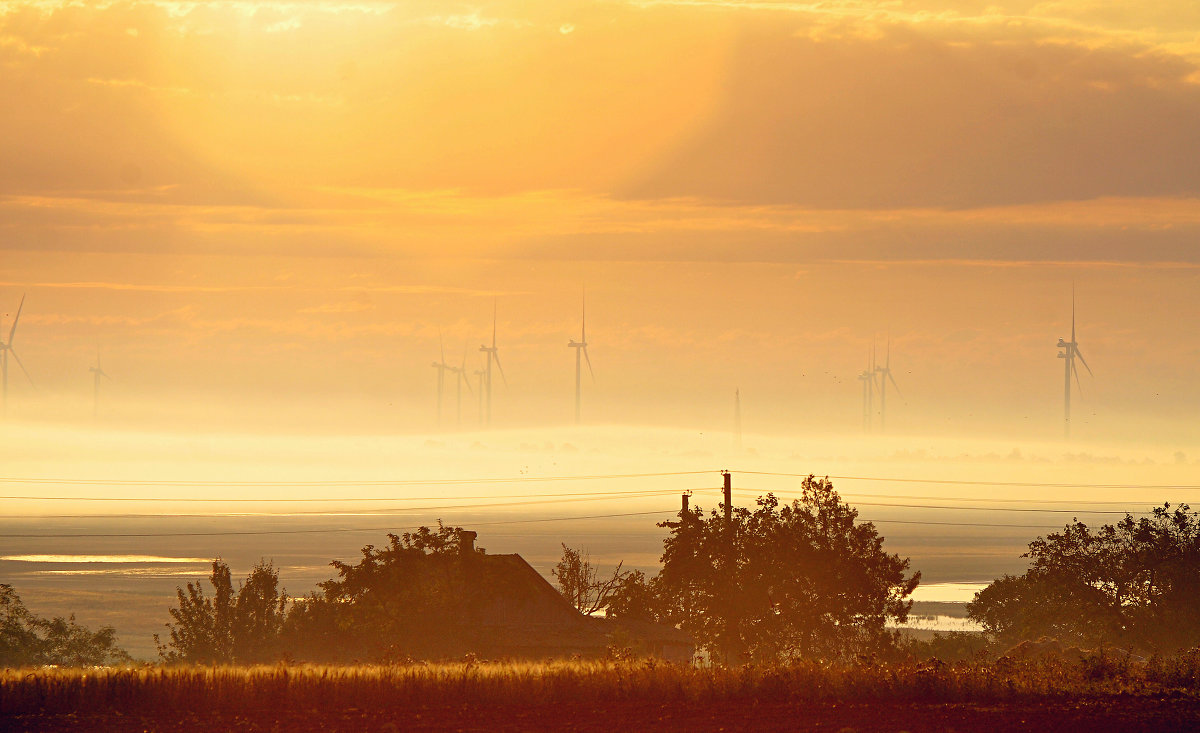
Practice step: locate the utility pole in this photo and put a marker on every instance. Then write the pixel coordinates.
(730, 566)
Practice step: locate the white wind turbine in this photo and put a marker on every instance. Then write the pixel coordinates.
(885, 376)
(493, 356)
(867, 377)
(1070, 351)
(442, 367)
(6, 348)
(460, 372)
(97, 373)
(580, 347)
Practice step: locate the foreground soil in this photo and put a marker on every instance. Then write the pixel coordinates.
(1090, 715)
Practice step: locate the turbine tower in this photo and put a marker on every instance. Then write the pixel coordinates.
(479, 375)
(580, 346)
(461, 373)
(885, 376)
(6, 348)
(493, 356)
(867, 377)
(441, 367)
(97, 373)
(1070, 351)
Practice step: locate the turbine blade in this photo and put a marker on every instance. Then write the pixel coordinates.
(13, 330)
(442, 346)
(894, 385)
(493, 323)
(23, 369)
(1075, 371)
(1085, 364)
(583, 330)
(588, 359)
(1072, 312)
(496, 356)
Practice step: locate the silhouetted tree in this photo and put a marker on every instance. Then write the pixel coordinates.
(579, 581)
(402, 600)
(27, 639)
(239, 625)
(790, 580)
(1133, 584)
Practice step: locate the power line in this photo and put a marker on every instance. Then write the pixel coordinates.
(846, 496)
(989, 508)
(380, 512)
(960, 524)
(325, 531)
(243, 500)
(1182, 487)
(341, 482)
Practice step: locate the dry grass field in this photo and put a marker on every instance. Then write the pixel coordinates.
(1104, 694)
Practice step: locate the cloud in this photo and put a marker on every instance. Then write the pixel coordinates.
(910, 120)
(343, 307)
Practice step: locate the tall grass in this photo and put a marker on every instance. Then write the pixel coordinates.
(217, 689)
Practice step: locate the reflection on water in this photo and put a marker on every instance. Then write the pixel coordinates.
(940, 622)
(104, 559)
(131, 572)
(947, 592)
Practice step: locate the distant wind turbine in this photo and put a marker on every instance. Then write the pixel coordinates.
(461, 373)
(885, 376)
(580, 346)
(97, 373)
(6, 348)
(867, 377)
(441, 367)
(479, 375)
(1070, 351)
(493, 356)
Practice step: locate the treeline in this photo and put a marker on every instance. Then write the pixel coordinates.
(399, 602)
(773, 583)
(778, 582)
(29, 640)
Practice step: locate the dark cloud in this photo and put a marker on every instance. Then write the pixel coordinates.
(911, 120)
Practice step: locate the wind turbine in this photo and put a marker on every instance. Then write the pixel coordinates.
(867, 377)
(885, 376)
(97, 373)
(1070, 350)
(441, 367)
(493, 355)
(479, 374)
(461, 373)
(6, 348)
(580, 346)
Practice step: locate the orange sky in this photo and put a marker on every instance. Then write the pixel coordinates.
(263, 213)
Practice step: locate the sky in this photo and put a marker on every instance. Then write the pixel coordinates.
(272, 217)
(269, 219)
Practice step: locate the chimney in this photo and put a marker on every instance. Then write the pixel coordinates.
(466, 541)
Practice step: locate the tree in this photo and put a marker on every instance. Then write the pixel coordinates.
(402, 600)
(1132, 584)
(787, 580)
(239, 625)
(27, 639)
(579, 582)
